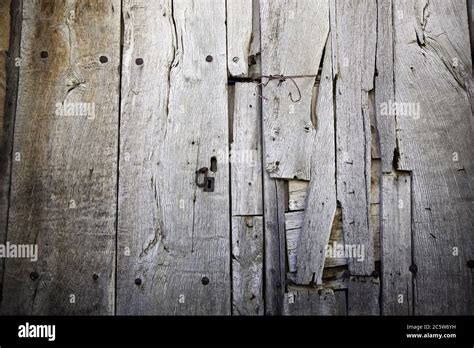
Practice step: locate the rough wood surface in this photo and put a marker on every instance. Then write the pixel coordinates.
(397, 297)
(433, 72)
(355, 36)
(63, 190)
(297, 192)
(247, 266)
(363, 296)
(320, 207)
(243, 37)
(294, 35)
(246, 152)
(174, 121)
(310, 302)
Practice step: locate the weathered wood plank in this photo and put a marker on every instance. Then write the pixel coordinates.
(310, 302)
(397, 297)
(384, 88)
(355, 61)
(294, 35)
(433, 69)
(247, 266)
(174, 122)
(320, 210)
(297, 192)
(63, 189)
(243, 37)
(246, 152)
(363, 296)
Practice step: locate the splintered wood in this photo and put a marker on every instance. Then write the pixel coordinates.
(239, 157)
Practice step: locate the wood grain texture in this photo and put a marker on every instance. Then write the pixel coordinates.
(246, 152)
(247, 266)
(397, 297)
(243, 37)
(294, 35)
(297, 192)
(63, 189)
(320, 207)
(310, 302)
(355, 61)
(433, 71)
(363, 296)
(178, 235)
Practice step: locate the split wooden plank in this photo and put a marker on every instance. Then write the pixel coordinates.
(384, 88)
(397, 297)
(246, 152)
(63, 189)
(294, 35)
(297, 191)
(363, 296)
(174, 237)
(320, 210)
(247, 266)
(243, 37)
(355, 61)
(433, 71)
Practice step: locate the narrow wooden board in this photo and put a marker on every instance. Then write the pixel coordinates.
(294, 35)
(247, 266)
(297, 192)
(246, 152)
(363, 296)
(174, 122)
(63, 189)
(243, 37)
(320, 210)
(433, 71)
(355, 61)
(397, 297)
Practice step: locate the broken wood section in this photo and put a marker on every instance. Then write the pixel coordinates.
(63, 189)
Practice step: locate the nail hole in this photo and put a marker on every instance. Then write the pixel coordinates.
(214, 164)
(205, 280)
(139, 61)
(235, 59)
(44, 54)
(209, 59)
(138, 281)
(95, 276)
(34, 275)
(103, 59)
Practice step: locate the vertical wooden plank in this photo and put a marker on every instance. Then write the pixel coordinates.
(294, 35)
(63, 193)
(246, 152)
(384, 88)
(243, 37)
(433, 70)
(397, 297)
(174, 237)
(247, 266)
(321, 202)
(355, 60)
(363, 296)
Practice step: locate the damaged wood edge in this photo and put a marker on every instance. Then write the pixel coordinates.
(6, 140)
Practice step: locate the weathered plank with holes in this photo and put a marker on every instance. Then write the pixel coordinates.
(320, 207)
(355, 61)
(433, 71)
(63, 190)
(174, 122)
(247, 265)
(243, 37)
(397, 297)
(246, 152)
(294, 35)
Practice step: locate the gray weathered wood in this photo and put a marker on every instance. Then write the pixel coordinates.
(247, 266)
(310, 302)
(174, 121)
(433, 71)
(355, 57)
(294, 35)
(397, 297)
(246, 152)
(320, 207)
(243, 37)
(297, 191)
(363, 296)
(63, 189)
